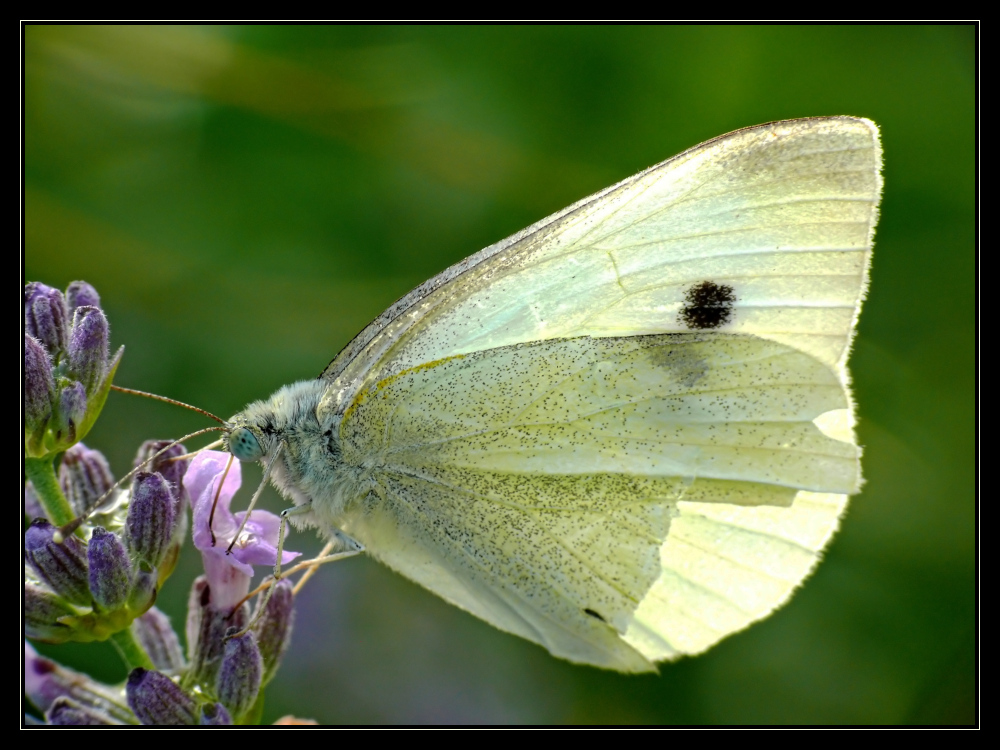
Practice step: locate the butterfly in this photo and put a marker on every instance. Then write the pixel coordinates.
(624, 432)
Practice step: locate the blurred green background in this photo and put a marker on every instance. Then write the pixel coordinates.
(245, 199)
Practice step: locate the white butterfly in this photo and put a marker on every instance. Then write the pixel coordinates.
(624, 432)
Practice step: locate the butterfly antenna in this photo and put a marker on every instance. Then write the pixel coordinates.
(73, 525)
(166, 400)
(253, 500)
(215, 502)
(192, 454)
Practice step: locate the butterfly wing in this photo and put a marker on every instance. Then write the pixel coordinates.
(550, 447)
(783, 214)
(536, 485)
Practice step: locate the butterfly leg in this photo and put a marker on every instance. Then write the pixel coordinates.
(348, 545)
(349, 548)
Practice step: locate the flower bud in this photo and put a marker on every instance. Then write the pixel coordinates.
(42, 610)
(41, 679)
(39, 387)
(214, 715)
(84, 476)
(63, 566)
(77, 364)
(72, 408)
(166, 465)
(205, 632)
(151, 515)
(144, 586)
(87, 350)
(156, 700)
(45, 682)
(45, 317)
(79, 294)
(110, 573)
(153, 632)
(66, 712)
(273, 628)
(172, 469)
(240, 673)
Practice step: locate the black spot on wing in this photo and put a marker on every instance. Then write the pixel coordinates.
(707, 305)
(592, 613)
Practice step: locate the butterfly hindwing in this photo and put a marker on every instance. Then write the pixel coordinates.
(537, 485)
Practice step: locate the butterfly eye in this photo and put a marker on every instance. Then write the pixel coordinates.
(244, 446)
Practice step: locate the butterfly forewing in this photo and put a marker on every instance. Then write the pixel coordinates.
(783, 214)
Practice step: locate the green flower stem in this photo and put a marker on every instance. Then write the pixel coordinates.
(42, 473)
(129, 649)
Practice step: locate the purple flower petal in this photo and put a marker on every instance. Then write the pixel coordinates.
(261, 533)
(202, 482)
(228, 574)
(204, 469)
(265, 524)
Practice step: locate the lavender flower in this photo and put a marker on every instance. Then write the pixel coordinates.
(214, 714)
(105, 587)
(226, 583)
(84, 476)
(240, 673)
(53, 689)
(44, 612)
(153, 632)
(166, 464)
(228, 574)
(63, 566)
(206, 629)
(90, 592)
(71, 411)
(274, 628)
(79, 294)
(66, 366)
(152, 514)
(156, 699)
(110, 573)
(39, 388)
(45, 317)
(66, 712)
(87, 350)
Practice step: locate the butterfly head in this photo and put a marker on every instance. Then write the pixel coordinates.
(252, 435)
(297, 448)
(243, 444)
(288, 416)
